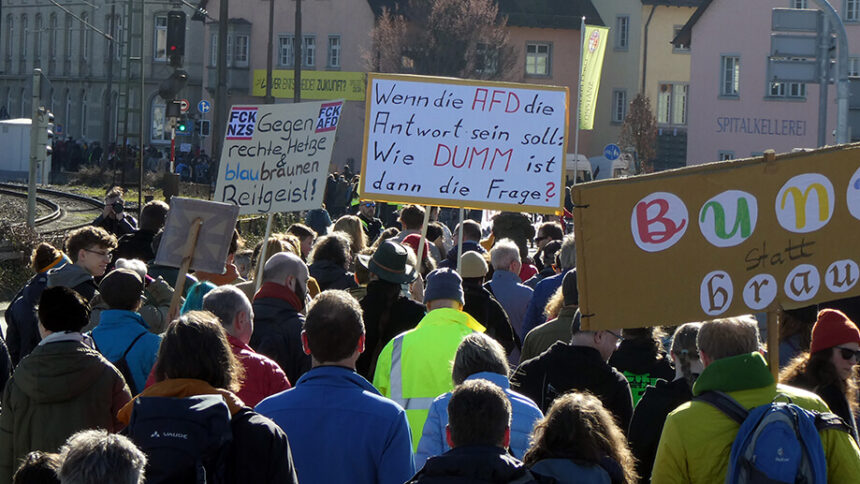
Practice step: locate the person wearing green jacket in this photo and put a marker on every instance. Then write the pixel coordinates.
(697, 438)
(415, 367)
(63, 386)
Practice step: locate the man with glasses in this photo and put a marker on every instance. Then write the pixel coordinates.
(372, 225)
(90, 249)
(580, 365)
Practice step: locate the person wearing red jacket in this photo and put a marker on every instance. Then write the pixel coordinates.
(263, 376)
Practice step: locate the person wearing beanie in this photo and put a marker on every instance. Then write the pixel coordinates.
(482, 305)
(829, 368)
(415, 367)
(122, 335)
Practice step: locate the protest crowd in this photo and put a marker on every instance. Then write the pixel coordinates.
(365, 347)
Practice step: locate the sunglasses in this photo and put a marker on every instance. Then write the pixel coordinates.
(848, 353)
(371, 205)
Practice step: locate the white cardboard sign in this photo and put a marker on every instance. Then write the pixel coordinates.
(475, 144)
(213, 241)
(276, 156)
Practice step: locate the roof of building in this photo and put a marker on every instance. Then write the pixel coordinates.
(546, 14)
(686, 34)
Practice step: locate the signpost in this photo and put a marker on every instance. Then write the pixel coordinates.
(204, 106)
(612, 152)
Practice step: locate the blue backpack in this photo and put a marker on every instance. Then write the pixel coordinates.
(778, 442)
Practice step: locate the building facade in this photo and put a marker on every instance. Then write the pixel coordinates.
(72, 48)
(735, 111)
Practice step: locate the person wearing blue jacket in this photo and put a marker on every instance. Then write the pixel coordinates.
(479, 357)
(340, 428)
(122, 331)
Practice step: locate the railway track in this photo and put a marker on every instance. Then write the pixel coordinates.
(66, 211)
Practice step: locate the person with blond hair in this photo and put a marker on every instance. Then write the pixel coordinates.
(352, 227)
(697, 438)
(579, 441)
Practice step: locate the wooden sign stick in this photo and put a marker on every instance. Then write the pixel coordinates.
(187, 255)
(773, 343)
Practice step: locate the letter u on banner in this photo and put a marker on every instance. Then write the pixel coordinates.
(589, 79)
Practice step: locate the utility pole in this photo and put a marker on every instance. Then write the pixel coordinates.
(112, 48)
(843, 83)
(221, 89)
(269, 51)
(298, 49)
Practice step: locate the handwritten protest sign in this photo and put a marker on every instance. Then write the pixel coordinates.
(719, 240)
(275, 157)
(460, 143)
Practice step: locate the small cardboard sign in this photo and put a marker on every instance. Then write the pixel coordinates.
(213, 242)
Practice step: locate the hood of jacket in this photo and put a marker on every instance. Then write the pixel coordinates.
(182, 388)
(475, 462)
(70, 275)
(567, 471)
(57, 372)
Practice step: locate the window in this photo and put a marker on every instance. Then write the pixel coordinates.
(52, 36)
(334, 51)
(309, 55)
(486, 59)
(85, 37)
(286, 50)
(619, 105)
(213, 50)
(537, 59)
(160, 43)
(240, 57)
(68, 114)
(84, 113)
(854, 66)
(787, 89)
(23, 42)
(681, 49)
(67, 48)
(852, 10)
(726, 155)
(730, 74)
(37, 38)
(10, 35)
(672, 104)
(622, 32)
(119, 37)
(799, 4)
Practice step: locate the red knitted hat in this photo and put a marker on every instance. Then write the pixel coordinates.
(833, 328)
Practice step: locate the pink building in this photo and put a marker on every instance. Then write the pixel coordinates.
(734, 110)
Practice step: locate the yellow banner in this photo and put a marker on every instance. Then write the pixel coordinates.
(316, 85)
(592, 64)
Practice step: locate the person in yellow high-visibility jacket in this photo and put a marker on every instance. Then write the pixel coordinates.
(415, 367)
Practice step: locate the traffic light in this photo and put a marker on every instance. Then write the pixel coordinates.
(44, 133)
(175, 37)
(170, 87)
(183, 125)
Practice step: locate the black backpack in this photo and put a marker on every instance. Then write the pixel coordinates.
(187, 440)
(122, 364)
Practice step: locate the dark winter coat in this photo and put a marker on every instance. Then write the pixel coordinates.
(277, 333)
(473, 464)
(331, 276)
(117, 227)
(22, 324)
(381, 326)
(650, 415)
(482, 306)
(58, 389)
(74, 277)
(833, 397)
(5, 365)
(372, 227)
(639, 361)
(563, 368)
(136, 245)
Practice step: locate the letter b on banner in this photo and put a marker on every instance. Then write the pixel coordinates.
(658, 221)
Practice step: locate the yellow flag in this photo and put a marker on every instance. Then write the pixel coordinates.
(589, 81)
